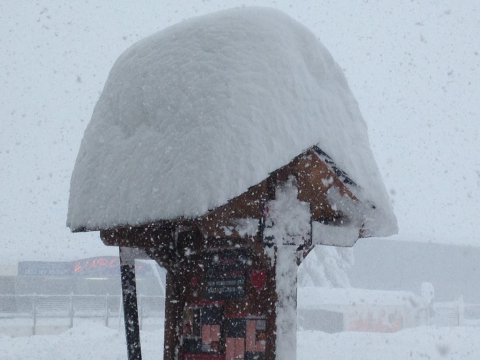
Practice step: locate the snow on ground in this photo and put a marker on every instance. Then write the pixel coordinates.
(82, 342)
(418, 343)
(91, 340)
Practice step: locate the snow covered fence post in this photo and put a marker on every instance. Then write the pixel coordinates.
(34, 314)
(288, 227)
(107, 312)
(286, 306)
(71, 310)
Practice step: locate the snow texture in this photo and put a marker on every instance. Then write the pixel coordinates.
(326, 266)
(286, 306)
(323, 234)
(287, 226)
(288, 219)
(92, 340)
(316, 297)
(246, 226)
(194, 115)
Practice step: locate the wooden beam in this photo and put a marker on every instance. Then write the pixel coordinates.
(130, 306)
(174, 303)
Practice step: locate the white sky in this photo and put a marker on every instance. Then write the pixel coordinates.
(414, 67)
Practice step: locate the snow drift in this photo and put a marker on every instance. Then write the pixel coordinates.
(194, 115)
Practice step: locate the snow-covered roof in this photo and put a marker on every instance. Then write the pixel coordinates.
(194, 115)
(316, 297)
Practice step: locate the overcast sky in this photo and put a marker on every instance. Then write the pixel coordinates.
(414, 67)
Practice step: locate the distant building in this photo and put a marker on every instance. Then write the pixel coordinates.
(94, 276)
(340, 309)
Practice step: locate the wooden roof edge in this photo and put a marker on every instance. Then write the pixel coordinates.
(129, 230)
(332, 165)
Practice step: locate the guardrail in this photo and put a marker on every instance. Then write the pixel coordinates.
(456, 313)
(107, 307)
(76, 306)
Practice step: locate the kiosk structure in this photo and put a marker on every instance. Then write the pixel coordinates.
(225, 148)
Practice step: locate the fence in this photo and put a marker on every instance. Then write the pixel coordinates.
(448, 313)
(456, 313)
(106, 307)
(76, 306)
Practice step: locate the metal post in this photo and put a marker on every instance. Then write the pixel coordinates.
(461, 311)
(120, 312)
(140, 305)
(71, 311)
(130, 307)
(106, 310)
(34, 313)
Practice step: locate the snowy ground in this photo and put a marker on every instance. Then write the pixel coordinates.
(418, 343)
(91, 340)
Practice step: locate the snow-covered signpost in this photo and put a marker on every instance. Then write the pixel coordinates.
(225, 148)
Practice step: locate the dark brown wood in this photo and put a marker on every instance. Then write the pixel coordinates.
(189, 248)
(130, 306)
(257, 299)
(271, 301)
(314, 179)
(174, 303)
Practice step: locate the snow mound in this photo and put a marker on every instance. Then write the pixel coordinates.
(313, 297)
(194, 115)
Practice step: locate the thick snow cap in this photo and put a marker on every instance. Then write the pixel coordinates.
(194, 115)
